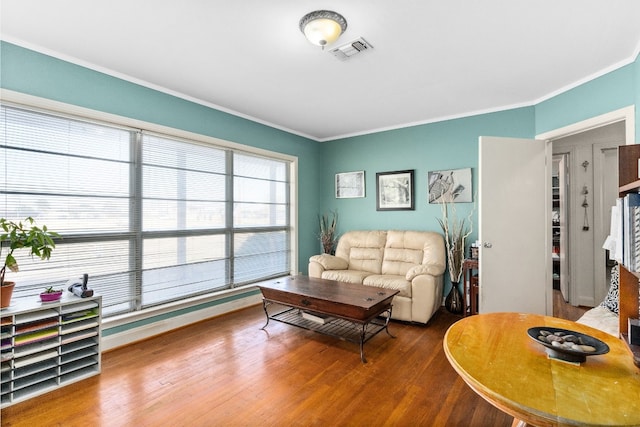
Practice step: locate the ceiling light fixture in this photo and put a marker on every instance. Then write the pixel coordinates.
(323, 27)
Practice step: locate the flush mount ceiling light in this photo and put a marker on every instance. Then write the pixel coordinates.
(323, 27)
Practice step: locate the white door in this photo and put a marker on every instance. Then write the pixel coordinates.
(514, 216)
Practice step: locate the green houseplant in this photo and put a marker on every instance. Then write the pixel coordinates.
(39, 241)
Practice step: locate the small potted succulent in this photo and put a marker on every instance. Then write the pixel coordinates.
(50, 294)
(21, 235)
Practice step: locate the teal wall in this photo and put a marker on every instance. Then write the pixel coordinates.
(451, 144)
(454, 144)
(448, 144)
(610, 92)
(40, 75)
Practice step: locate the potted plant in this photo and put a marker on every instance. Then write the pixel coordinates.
(21, 235)
(50, 294)
(328, 224)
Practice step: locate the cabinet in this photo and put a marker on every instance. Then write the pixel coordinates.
(555, 230)
(470, 286)
(628, 158)
(48, 345)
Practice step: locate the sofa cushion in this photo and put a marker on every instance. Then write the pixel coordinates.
(351, 276)
(399, 261)
(366, 259)
(389, 282)
(404, 250)
(362, 249)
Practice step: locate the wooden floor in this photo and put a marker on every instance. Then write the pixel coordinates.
(228, 372)
(564, 310)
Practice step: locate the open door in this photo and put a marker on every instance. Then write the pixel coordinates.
(514, 216)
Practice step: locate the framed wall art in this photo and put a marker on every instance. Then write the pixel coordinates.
(349, 185)
(453, 185)
(394, 190)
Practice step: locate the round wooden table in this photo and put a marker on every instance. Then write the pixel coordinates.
(499, 361)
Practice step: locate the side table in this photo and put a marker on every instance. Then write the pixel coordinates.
(470, 287)
(494, 355)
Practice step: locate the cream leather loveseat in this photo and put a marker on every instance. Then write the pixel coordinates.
(412, 262)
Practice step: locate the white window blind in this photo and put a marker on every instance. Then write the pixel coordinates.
(183, 219)
(260, 216)
(150, 218)
(73, 177)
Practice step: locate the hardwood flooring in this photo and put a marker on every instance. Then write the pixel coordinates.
(565, 310)
(227, 372)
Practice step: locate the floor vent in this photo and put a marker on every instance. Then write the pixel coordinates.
(350, 49)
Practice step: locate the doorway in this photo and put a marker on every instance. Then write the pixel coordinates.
(624, 115)
(590, 189)
(502, 257)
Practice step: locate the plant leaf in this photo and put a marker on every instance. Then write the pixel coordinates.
(11, 263)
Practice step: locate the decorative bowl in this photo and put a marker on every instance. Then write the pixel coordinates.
(50, 296)
(567, 345)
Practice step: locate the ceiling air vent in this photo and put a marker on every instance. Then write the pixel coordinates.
(346, 51)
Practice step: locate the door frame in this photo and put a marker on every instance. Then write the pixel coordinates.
(626, 114)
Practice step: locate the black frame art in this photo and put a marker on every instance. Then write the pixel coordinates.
(395, 190)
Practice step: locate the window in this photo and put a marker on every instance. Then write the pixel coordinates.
(151, 218)
(260, 215)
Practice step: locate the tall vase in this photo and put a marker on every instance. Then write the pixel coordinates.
(453, 302)
(326, 247)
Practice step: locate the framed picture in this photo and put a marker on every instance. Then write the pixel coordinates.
(394, 190)
(452, 185)
(349, 185)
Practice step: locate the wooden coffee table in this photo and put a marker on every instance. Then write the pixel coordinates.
(348, 311)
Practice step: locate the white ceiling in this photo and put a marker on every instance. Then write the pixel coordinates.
(432, 59)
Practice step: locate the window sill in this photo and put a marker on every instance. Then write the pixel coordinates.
(127, 318)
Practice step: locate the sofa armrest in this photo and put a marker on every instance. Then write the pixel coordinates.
(330, 262)
(432, 269)
(426, 296)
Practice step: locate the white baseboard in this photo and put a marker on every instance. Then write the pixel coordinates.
(134, 334)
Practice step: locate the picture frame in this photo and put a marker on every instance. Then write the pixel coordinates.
(350, 185)
(394, 190)
(450, 186)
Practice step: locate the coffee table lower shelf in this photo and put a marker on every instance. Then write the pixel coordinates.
(343, 329)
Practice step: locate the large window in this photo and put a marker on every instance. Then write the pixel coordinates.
(150, 218)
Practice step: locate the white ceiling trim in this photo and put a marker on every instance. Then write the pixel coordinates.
(131, 79)
(587, 79)
(433, 61)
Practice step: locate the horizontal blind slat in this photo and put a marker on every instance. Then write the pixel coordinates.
(137, 234)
